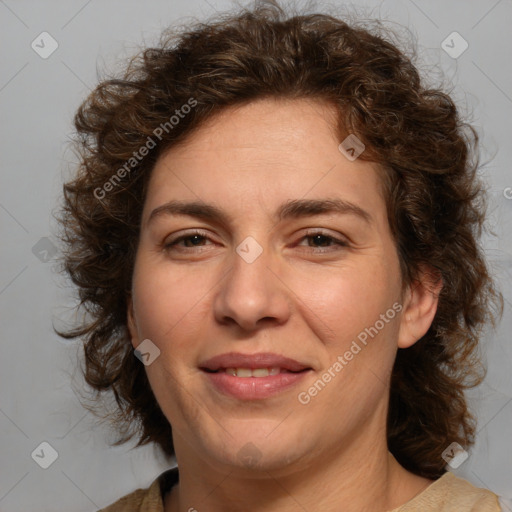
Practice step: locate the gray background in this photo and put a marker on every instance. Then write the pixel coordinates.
(38, 98)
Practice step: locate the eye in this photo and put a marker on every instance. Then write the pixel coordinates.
(320, 241)
(323, 242)
(191, 240)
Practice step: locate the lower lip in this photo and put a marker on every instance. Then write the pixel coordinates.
(254, 388)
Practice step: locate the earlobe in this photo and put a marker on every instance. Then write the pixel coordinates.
(420, 306)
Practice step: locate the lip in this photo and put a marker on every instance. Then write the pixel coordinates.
(252, 361)
(253, 388)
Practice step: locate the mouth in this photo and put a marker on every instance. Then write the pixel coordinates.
(254, 372)
(259, 363)
(253, 376)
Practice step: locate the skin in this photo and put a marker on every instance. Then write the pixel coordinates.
(198, 300)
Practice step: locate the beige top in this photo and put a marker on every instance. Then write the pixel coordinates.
(447, 494)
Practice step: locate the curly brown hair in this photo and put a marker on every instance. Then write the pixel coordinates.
(434, 197)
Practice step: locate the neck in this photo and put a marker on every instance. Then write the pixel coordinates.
(362, 477)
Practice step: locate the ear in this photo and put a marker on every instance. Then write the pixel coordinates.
(132, 325)
(420, 306)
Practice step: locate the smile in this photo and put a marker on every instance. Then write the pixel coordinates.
(256, 372)
(253, 383)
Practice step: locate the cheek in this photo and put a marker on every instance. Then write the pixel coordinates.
(165, 298)
(346, 299)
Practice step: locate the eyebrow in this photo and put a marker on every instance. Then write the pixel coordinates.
(293, 209)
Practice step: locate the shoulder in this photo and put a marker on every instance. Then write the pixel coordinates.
(130, 503)
(146, 500)
(452, 494)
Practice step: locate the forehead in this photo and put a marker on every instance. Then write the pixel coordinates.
(261, 153)
(269, 125)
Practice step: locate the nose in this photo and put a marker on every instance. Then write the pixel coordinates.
(252, 294)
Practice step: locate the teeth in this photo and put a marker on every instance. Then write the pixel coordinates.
(257, 372)
(260, 372)
(243, 372)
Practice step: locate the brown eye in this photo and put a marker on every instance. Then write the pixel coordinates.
(324, 242)
(188, 241)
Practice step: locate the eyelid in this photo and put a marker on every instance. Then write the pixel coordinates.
(337, 239)
(324, 232)
(169, 240)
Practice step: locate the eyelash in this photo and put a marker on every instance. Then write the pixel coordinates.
(310, 234)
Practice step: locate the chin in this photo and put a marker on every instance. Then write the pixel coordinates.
(262, 449)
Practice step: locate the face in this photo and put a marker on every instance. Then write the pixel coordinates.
(288, 255)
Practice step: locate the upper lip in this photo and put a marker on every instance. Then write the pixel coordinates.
(252, 361)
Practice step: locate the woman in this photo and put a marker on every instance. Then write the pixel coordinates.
(274, 228)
